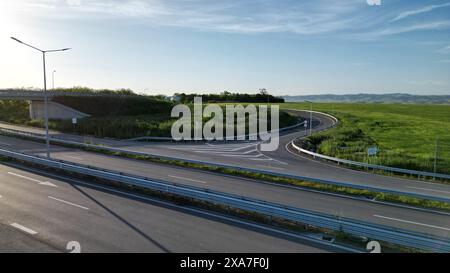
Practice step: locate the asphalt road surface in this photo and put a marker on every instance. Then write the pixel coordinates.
(399, 217)
(45, 217)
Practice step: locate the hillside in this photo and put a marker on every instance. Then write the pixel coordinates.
(373, 98)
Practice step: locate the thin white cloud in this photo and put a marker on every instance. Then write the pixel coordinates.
(428, 26)
(250, 16)
(345, 17)
(445, 50)
(409, 13)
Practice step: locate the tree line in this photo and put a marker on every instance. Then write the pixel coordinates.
(262, 97)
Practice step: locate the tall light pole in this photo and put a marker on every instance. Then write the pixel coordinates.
(47, 140)
(53, 79)
(310, 116)
(435, 157)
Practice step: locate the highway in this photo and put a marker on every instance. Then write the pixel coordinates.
(284, 160)
(399, 217)
(45, 217)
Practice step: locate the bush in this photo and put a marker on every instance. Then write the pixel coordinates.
(14, 111)
(116, 105)
(125, 127)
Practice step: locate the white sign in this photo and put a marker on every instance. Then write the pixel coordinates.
(74, 120)
(372, 151)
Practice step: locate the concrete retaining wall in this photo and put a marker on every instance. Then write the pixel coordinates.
(55, 111)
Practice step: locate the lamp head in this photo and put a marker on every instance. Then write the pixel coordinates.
(17, 40)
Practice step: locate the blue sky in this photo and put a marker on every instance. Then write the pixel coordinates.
(289, 47)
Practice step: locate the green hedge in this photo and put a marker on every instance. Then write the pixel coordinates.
(116, 105)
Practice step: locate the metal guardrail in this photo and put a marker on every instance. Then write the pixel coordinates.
(147, 138)
(27, 94)
(370, 166)
(357, 228)
(335, 120)
(227, 166)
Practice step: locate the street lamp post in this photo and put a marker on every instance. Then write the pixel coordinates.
(310, 117)
(53, 79)
(47, 140)
(435, 157)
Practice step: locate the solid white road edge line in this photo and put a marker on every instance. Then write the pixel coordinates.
(411, 222)
(271, 167)
(425, 189)
(74, 157)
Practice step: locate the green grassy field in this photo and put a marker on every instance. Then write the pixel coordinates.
(405, 134)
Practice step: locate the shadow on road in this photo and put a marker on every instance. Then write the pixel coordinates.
(137, 230)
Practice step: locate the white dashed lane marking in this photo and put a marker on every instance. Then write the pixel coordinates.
(25, 177)
(24, 229)
(187, 179)
(68, 203)
(44, 183)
